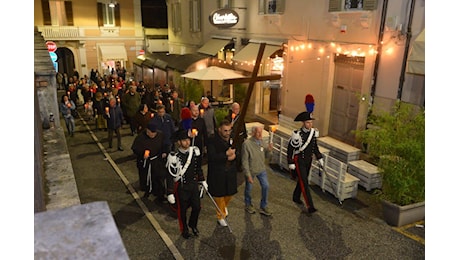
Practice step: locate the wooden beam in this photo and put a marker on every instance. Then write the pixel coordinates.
(244, 108)
(248, 80)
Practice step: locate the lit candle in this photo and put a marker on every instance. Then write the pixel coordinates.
(161, 102)
(118, 99)
(233, 116)
(146, 153)
(107, 110)
(151, 115)
(273, 129)
(68, 93)
(201, 112)
(194, 132)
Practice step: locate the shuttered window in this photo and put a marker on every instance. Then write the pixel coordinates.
(69, 12)
(46, 12)
(108, 16)
(271, 6)
(352, 5)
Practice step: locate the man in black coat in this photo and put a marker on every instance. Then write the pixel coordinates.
(222, 171)
(151, 151)
(234, 117)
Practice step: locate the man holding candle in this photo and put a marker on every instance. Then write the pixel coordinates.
(175, 107)
(114, 116)
(150, 150)
(130, 103)
(200, 138)
(253, 154)
(234, 118)
(207, 113)
(222, 178)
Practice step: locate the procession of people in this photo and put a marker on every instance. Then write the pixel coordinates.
(172, 145)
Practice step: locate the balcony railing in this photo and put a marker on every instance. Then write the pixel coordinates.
(60, 32)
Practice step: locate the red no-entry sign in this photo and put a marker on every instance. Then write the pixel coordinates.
(52, 47)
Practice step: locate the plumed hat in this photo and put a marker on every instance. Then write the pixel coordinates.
(304, 116)
(186, 118)
(309, 106)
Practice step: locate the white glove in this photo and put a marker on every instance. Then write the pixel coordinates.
(321, 162)
(205, 185)
(171, 199)
(292, 166)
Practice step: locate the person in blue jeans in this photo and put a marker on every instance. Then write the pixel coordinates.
(253, 153)
(67, 107)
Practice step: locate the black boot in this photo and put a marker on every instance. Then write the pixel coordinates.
(195, 231)
(186, 234)
(298, 201)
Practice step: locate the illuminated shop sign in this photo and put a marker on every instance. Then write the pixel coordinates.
(224, 18)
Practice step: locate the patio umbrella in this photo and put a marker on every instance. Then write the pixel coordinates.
(213, 73)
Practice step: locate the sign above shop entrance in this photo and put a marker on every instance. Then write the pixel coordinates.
(224, 18)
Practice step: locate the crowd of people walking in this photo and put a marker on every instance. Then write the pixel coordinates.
(174, 140)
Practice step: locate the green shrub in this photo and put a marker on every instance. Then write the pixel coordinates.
(395, 142)
(192, 90)
(220, 114)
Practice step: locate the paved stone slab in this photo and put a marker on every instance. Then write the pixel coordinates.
(79, 232)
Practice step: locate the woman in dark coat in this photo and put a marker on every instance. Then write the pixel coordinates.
(142, 118)
(221, 177)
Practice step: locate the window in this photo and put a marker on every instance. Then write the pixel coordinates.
(226, 3)
(195, 15)
(352, 5)
(57, 12)
(108, 16)
(176, 18)
(271, 6)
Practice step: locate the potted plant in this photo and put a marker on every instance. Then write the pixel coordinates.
(395, 142)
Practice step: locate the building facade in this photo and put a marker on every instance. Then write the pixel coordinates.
(351, 55)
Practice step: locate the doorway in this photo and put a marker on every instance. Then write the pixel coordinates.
(346, 92)
(65, 60)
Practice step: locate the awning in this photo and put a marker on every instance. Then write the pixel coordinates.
(113, 52)
(213, 46)
(249, 53)
(163, 60)
(416, 58)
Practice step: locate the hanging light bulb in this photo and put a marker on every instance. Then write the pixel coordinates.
(111, 4)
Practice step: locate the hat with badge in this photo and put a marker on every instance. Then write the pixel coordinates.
(304, 116)
(180, 134)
